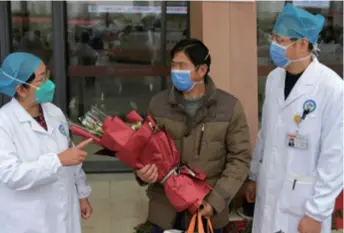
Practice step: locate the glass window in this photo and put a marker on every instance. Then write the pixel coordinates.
(266, 15)
(114, 54)
(31, 28)
(261, 95)
(330, 40)
(177, 24)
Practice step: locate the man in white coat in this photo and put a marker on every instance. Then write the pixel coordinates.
(42, 185)
(297, 169)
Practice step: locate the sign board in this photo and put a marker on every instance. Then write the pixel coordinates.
(312, 4)
(135, 9)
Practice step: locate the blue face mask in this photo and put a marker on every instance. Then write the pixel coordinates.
(182, 80)
(45, 93)
(278, 55)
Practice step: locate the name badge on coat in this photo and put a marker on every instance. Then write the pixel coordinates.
(297, 141)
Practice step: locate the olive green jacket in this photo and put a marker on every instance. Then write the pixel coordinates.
(222, 150)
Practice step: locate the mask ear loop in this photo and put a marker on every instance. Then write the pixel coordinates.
(18, 80)
(316, 49)
(206, 56)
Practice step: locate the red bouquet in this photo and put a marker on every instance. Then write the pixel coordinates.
(138, 142)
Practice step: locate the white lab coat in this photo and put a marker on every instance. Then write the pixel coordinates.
(318, 170)
(37, 194)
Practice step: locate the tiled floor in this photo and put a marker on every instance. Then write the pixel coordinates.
(119, 204)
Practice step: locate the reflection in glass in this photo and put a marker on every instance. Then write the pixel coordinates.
(103, 36)
(330, 40)
(31, 28)
(177, 25)
(261, 95)
(107, 34)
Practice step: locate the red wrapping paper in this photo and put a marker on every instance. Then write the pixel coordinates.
(82, 133)
(338, 210)
(153, 145)
(193, 190)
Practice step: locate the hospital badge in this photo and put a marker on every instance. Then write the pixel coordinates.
(62, 130)
(309, 106)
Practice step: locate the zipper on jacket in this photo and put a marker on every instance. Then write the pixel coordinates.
(200, 141)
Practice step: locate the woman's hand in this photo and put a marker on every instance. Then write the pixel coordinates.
(74, 155)
(85, 208)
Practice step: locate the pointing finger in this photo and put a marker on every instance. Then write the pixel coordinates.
(84, 143)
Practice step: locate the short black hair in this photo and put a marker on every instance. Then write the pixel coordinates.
(25, 85)
(195, 50)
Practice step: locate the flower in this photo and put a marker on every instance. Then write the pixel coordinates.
(92, 122)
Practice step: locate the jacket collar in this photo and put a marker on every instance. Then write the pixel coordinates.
(24, 117)
(209, 99)
(176, 97)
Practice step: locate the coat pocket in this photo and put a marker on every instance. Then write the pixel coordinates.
(295, 193)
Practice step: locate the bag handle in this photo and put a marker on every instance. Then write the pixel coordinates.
(209, 226)
(198, 217)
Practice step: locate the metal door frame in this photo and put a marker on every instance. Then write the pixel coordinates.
(5, 37)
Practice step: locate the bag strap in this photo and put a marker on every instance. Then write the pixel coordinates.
(200, 228)
(197, 217)
(209, 226)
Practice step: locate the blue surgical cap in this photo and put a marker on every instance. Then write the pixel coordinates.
(16, 69)
(298, 23)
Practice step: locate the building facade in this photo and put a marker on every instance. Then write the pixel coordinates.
(116, 54)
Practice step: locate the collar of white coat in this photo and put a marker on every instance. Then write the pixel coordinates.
(23, 116)
(303, 86)
(305, 79)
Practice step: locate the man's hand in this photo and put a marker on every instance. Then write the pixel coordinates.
(86, 208)
(148, 174)
(309, 225)
(250, 191)
(206, 209)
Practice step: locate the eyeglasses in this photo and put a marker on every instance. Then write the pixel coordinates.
(280, 39)
(46, 76)
(43, 78)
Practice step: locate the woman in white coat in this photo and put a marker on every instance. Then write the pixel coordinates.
(297, 167)
(42, 185)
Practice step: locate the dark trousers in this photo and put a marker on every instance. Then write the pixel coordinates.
(181, 224)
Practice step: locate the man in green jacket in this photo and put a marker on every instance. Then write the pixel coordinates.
(209, 129)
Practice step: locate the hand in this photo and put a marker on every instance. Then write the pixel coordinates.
(309, 225)
(148, 173)
(74, 155)
(206, 209)
(250, 191)
(85, 208)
